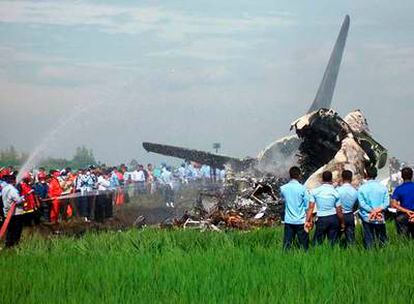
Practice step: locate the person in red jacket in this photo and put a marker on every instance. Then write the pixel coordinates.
(30, 203)
(55, 190)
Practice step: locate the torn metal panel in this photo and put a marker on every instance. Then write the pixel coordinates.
(378, 155)
(357, 122)
(349, 157)
(200, 225)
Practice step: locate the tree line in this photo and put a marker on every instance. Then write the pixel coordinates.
(82, 158)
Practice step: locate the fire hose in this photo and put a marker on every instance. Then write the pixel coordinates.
(10, 213)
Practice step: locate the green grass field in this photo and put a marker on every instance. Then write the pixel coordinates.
(158, 266)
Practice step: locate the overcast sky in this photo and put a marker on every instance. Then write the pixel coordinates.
(191, 73)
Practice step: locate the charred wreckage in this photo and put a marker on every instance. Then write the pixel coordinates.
(323, 141)
(251, 197)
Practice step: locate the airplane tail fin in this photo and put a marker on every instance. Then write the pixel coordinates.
(323, 98)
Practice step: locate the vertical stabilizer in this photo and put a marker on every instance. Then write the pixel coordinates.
(326, 89)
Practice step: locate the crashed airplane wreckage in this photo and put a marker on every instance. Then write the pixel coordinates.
(327, 142)
(323, 141)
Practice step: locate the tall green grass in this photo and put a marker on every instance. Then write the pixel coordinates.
(158, 266)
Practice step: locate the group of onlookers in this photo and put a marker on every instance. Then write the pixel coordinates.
(334, 210)
(89, 193)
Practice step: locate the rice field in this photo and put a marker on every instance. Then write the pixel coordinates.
(182, 266)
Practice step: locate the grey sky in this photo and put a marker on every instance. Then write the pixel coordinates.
(191, 73)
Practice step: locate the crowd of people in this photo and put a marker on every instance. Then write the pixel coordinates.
(89, 193)
(336, 207)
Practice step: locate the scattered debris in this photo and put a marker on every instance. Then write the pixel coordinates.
(244, 202)
(139, 222)
(201, 225)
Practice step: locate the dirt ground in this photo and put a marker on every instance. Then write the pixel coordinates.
(149, 209)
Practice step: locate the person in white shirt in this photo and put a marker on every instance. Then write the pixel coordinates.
(103, 183)
(103, 203)
(138, 178)
(11, 195)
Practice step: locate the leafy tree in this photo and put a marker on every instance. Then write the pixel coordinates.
(55, 163)
(133, 164)
(10, 157)
(83, 158)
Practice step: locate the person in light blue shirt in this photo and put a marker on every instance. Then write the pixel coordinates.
(205, 172)
(114, 180)
(373, 198)
(296, 199)
(189, 172)
(348, 197)
(329, 211)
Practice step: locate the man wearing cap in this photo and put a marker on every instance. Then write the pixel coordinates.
(30, 204)
(373, 198)
(403, 201)
(41, 189)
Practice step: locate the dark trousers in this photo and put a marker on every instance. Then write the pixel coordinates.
(100, 207)
(109, 208)
(31, 219)
(326, 227)
(290, 233)
(373, 233)
(14, 231)
(83, 206)
(86, 205)
(404, 227)
(103, 206)
(91, 206)
(45, 210)
(349, 232)
(1, 208)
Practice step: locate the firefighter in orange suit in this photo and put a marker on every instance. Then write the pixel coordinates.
(55, 190)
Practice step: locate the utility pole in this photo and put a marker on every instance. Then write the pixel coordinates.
(216, 146)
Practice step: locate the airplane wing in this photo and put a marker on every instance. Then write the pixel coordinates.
(323, 98)
(213, 160)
